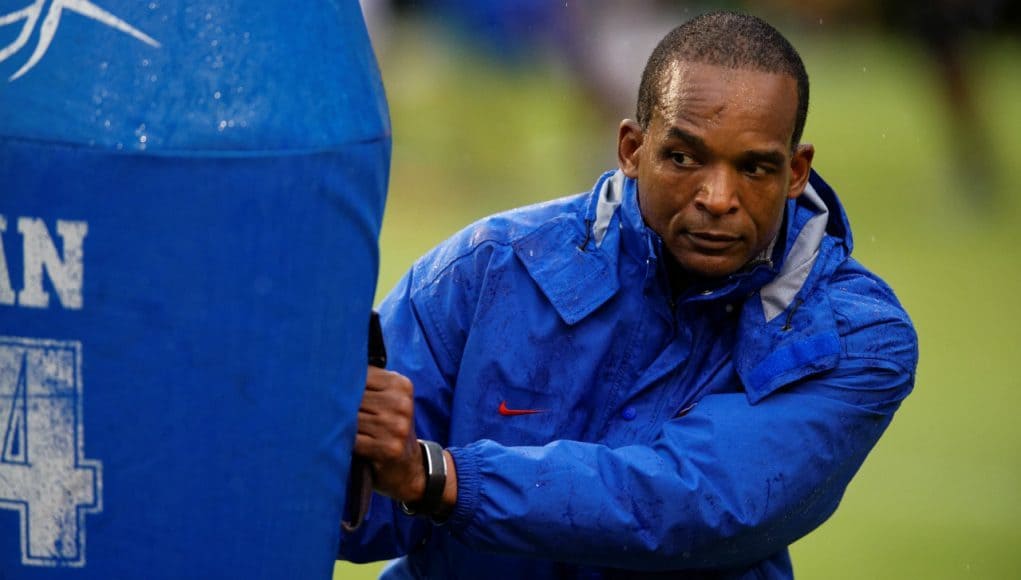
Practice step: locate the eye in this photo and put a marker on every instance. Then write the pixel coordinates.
(759, 169)
(682, 159)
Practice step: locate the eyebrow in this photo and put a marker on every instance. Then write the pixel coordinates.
(690, 139)
(767, 155)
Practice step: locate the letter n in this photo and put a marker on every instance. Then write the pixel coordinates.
(40, 253)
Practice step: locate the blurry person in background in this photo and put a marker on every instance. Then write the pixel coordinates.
(944, 28)
(946, 31)
(678, 372)
(601, 44)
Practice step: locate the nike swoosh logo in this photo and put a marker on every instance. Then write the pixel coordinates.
(507, 412)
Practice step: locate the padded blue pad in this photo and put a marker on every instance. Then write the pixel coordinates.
(190, 200)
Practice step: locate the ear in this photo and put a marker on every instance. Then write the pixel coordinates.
(629, 143)
(801, 167)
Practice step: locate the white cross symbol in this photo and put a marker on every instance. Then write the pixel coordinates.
(30, 14)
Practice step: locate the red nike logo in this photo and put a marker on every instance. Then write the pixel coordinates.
(506, 412)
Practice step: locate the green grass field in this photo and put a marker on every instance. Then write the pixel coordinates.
(940, 497)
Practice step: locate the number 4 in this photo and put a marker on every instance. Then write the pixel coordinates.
(43, 472)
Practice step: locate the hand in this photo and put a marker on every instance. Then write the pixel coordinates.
(386, 435)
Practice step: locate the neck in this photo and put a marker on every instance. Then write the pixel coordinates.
(681, 279)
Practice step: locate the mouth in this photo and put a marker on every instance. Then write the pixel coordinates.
(712, 241)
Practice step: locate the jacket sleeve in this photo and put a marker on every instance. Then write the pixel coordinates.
(728, 484)
(387, 532)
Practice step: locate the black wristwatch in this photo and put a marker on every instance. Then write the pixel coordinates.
(435, 481)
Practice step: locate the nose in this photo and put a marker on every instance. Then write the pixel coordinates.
(717, 194)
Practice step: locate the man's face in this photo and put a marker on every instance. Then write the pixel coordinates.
(715, 166)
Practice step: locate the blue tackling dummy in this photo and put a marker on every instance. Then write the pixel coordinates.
(190, 199)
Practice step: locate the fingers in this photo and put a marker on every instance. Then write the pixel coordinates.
(386, 402)
(378, 379)
(385, 426)
(386, 434)
(386, 392)
(386, 417)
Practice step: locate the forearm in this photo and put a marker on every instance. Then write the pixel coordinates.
(722, 488)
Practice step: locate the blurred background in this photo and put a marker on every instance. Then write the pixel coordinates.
(916, 118)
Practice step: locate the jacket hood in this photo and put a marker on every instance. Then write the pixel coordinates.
(791, 332)
(811, 217)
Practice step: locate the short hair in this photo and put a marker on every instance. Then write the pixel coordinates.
(726, 39)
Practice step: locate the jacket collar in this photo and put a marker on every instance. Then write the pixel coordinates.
(576, 273)
(575, 261)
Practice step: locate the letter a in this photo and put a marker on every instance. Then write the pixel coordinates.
(6, 292)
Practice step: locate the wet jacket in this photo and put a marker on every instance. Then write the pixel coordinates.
(603, 427)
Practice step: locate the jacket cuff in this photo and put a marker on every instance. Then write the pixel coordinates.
(469, 485)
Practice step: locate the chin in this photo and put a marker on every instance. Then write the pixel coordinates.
(709, 266)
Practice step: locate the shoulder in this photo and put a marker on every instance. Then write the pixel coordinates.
(869, 318)
(493, 238)
(846, 321)
(446, 286)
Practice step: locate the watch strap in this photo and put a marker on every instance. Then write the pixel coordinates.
(435, 481)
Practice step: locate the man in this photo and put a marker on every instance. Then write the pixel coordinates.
(676, 373)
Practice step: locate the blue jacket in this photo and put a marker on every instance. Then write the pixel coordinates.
(702, 433)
